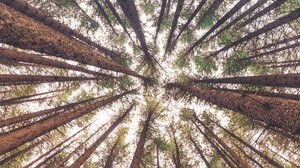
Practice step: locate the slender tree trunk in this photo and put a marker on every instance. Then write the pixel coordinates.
(263, 12)
(6, 79)
(28, 116)
(27, 100)
(20, 31)
(241, 16)
(226, 17)
(276, 112)
(160, 18)
(140, 146)
(239, 160)
(200, 152)
(21, 152)
(276, 153)
(177, 153)
(185, 26)
(111, 156)
(279, 22)
(103, 14)
(278, 80)
(249, 157)
(168, 8)
(113, 10)
(266, 157)
(210, 141)
(57, 146)
(88, 152)
(18, 137)
(157, 156)
(12, 55)
(174, 24)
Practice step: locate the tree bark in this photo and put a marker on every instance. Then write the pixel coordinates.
(249, 157)
(140, 146)
(160, 18)
(157, 156)
(278, 80)
(200, 152)
(177, 153)
(21, 31)
(88, 152)
(18, 137)
(281, 21)
(111, 156)
(276, 112)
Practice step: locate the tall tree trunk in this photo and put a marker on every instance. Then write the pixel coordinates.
(263, 12)
(22, 98)
(28, 116)
(135, 163)
(7, 79)
(174, 24)
(200, 152)
(239, 160)
(113, 10)
(239, 17)
(55, 147)
(276, 112)
(13, 55)
(210, 141)
(103, 14)
(18, 137)
(279, 22)
(168, 7)
(285, 159)
(177, 153)
(278, 80)
(266, 157)
(185, 26)
(20, 31)
(292, 46)
(157, 156)
(110, 158)
(21, 152)
(160, 18)
(88, 152)
(226, 17)
(249, 157)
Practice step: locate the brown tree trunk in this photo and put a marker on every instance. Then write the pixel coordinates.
(226, 17)
(110, 158)
(88, 152)
(239, 160)
(266, 157)
(279, 22)
(21, 31)
(249, 157)
(18, 137)
(276, 112)
(28, 116)
(160, 18)
(157, 156)
(8, 79)
(13, 55)
(177, 153)
(200, 152)
(135, 163)
(57, 146)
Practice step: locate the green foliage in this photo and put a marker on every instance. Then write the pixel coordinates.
(162, 143)
(181, 61)
(205, 65)
(148, 8)
(208, 21)
(125, 83)
(233, 66)
(186, 114)
(187, 37)
(88, 24)
(166, 24)
(227, 37)
(215, 161)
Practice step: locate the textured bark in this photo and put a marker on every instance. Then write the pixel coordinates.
(111, 156)
(103, 14)
(113, 10)
(22, 98)
(226, 17)
(185, 26)
(174, 24)
(292, 46)
(13, 55)
(239, 160)
(200, 152)
(160, 17)
(21, 31)
(21, 152)
(135, 163)
(28, 116)
(239, 17)
(263, 12)
(249, 157)
(278, 80)
(55, 147)
(18, 137)
(88, 152)
(276, 112)
(279, 22)
(266, 157)
(130, 10)
(210, 141)
(7, 79)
